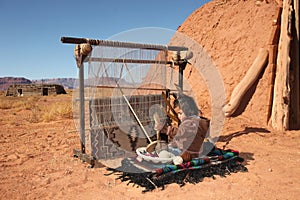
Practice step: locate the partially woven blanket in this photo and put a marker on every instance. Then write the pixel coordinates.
(149, 176)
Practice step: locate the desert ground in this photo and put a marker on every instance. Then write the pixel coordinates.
(38, 136)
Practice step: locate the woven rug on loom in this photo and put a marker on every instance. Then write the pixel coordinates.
(151, 176)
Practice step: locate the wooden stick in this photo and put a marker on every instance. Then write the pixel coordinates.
(249, 79)
(280, 116)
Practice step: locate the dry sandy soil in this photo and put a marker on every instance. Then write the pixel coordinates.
(37, 162)
(36, 148)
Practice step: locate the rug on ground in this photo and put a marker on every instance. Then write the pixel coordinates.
(151, 176)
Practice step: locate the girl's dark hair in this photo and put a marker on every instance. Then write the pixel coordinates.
(188, 105)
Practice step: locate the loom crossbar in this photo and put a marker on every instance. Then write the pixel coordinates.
(119, 60)
(108, 43)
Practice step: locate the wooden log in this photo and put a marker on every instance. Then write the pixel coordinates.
(295, 70)
(281, 101)
(248, 80)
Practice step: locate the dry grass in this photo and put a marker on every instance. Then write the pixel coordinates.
(58, 111)
(19, 103)
(5, 105)
(39, 108)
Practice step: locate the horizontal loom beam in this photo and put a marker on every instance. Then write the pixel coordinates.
(120, 60)
(73, 40)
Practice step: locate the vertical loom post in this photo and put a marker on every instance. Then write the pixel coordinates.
(180, 78)
(81, 109)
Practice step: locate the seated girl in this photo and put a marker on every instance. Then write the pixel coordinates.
(187, 140)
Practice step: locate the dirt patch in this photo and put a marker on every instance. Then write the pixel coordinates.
(37, 160)
(37, 163)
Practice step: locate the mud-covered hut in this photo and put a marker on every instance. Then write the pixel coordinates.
(34, 90)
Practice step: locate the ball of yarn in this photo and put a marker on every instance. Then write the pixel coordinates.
(77, 51)
(177, 160)
(165, 154)
(85, 49)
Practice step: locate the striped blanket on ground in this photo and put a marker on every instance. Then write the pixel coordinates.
(150, 176)
(215, 157)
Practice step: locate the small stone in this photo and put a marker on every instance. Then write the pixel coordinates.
(12, 157)
(270, 169)
(258, 3)
(68, 172)
(47, 181)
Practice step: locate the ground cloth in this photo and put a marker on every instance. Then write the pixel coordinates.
(151, 176)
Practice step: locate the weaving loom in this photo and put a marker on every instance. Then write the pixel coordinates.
(122, 90)
(127, 83)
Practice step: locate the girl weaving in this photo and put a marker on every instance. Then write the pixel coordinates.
(186, 140)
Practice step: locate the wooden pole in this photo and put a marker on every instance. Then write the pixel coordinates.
(281, 99)
(82, 108)
(295, 71)
(71, 40)
(248, 80)
(273, 50)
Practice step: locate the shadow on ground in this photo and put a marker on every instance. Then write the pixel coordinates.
(247, 156)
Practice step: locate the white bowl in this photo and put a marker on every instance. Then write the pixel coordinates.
(141, 151)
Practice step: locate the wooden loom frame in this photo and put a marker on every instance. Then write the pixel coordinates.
(81, 154)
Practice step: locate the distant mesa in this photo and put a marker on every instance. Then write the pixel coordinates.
(5, 82)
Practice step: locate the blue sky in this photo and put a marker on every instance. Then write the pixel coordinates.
(31, 29)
